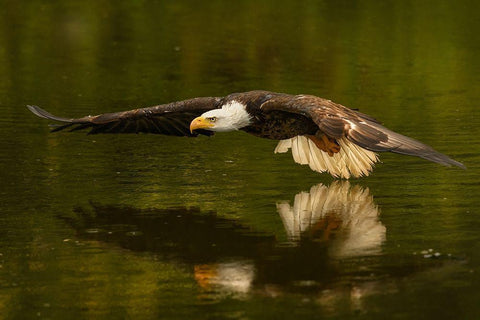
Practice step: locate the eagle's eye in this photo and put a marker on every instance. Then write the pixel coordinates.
(212, 119)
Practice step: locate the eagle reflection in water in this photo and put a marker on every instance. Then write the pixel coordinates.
(230, 259)
(328, 222)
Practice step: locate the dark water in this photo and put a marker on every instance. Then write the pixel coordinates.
(144, 227)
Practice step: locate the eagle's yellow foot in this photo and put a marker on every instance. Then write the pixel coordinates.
(325, 143)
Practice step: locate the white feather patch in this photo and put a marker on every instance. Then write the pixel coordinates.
(351, 160)
(283, 146)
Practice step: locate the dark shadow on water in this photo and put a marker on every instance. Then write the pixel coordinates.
(181, 233)
(334, 245)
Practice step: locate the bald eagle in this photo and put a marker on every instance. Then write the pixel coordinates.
(325, 135)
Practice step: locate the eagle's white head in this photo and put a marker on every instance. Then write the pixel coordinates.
(231, 116)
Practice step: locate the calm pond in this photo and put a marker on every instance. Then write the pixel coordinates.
(145, 226)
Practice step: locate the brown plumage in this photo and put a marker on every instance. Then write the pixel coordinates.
(347, 139)
(169, 119)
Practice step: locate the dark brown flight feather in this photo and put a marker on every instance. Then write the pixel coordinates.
(338, 121)
(169, 119)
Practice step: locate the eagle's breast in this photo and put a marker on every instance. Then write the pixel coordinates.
(280, 125)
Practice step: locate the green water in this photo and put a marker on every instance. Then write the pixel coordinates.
(145, 227)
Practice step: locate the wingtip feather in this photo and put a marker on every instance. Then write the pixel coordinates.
(39, 112)
(447, 161)
(375, 137)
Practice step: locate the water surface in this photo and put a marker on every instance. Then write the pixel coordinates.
(143, 226)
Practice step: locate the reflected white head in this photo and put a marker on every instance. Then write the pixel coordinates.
(231, 116)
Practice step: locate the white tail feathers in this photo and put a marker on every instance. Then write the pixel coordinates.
(351, 160)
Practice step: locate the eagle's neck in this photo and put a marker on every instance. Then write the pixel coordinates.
(236, 116)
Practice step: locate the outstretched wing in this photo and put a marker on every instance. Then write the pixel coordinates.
(169, 119)
(339, 122)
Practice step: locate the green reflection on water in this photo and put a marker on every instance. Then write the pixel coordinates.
(412, 65)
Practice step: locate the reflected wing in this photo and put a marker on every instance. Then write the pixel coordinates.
(169, 119)
(337, 121)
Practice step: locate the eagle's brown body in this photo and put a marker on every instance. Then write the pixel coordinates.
(272, 115)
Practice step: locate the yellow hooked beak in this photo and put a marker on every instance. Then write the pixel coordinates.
(200, 123)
